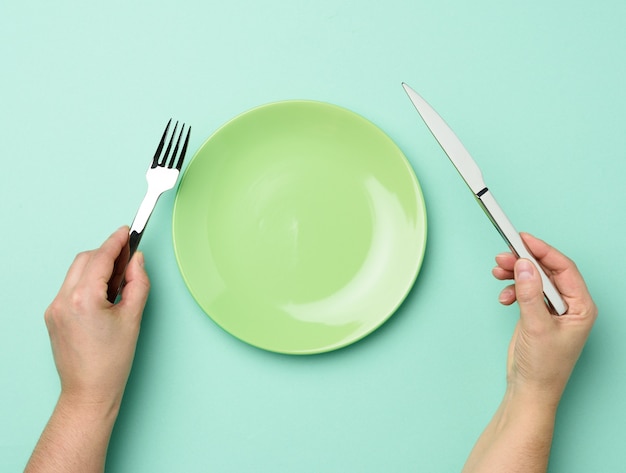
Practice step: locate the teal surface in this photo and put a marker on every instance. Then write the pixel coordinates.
(534, 89)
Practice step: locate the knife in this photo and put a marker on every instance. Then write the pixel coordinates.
(471, 174)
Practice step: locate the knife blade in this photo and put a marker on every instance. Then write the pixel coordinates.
(472, 175)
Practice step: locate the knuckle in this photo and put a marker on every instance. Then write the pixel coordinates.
(53, 312)
(593, 311)
(78, 299)
(82, 256)
(48, 314)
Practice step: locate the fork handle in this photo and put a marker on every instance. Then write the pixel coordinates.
(118, 279)
(133, 242)
(145, 210)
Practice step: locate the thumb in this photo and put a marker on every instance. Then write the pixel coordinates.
(529, 292)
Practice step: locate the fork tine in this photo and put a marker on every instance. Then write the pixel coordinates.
(173, 157)
(155, 160)
(184, 150)
(163, 162)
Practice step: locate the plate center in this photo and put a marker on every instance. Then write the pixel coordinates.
(304, 228)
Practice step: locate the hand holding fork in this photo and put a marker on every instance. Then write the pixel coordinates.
(161, 176)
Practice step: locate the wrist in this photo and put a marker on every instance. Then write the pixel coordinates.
(529, 406)
(538, 396)
(76, 437)
(519, 436)
(88, 408)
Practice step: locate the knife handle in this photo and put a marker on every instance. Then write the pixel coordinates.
(506, 229)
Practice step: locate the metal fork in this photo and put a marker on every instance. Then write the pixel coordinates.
(161, 176)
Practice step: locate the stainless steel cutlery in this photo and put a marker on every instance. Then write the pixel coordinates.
(161, 176)
(472, 175)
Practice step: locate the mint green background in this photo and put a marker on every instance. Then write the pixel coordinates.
(535, 90)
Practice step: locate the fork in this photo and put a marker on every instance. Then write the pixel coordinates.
(161, 176)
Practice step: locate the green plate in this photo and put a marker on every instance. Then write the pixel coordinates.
(299, 227)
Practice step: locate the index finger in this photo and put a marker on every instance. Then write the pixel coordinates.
(101, 263)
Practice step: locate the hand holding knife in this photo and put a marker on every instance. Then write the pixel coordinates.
(471, 174)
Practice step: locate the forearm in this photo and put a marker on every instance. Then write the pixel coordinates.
(517, 439)
(75, 439)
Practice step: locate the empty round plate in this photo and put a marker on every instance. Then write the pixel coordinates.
(299, 227)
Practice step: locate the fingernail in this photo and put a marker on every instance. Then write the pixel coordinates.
(140, 259)
(524, 270)
(505, 295)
